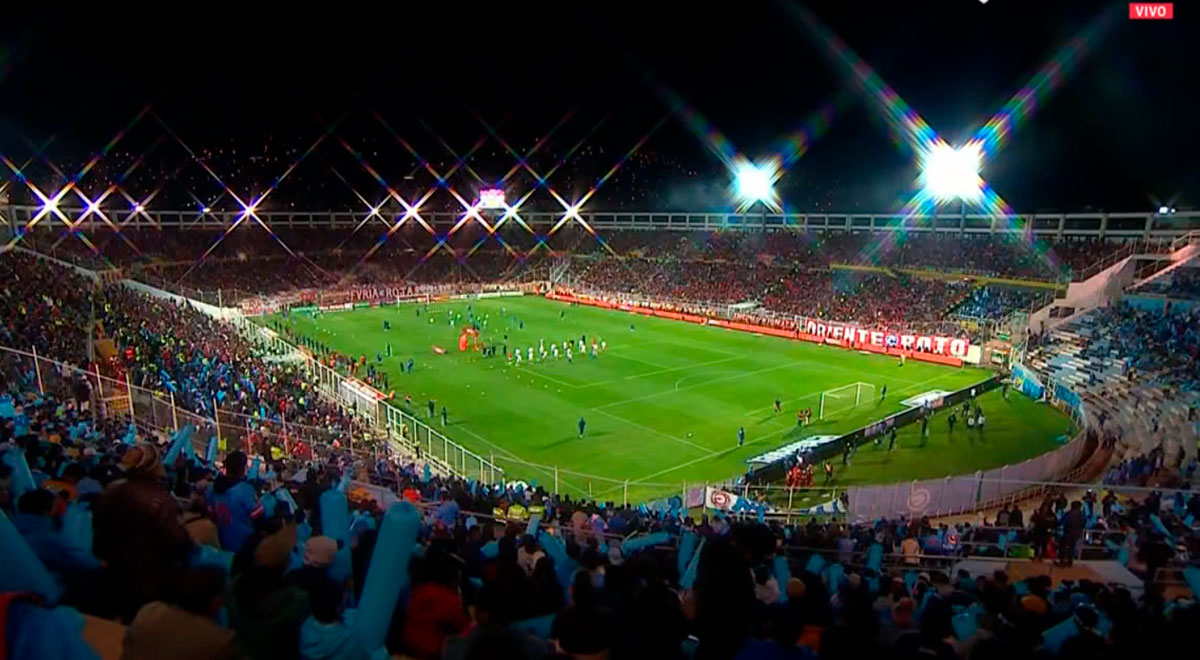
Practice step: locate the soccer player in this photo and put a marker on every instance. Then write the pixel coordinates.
(582, 426)
(883, 393)
(389, 350)
(387, 325)
(530, 354)
(807, 416)
(432, 407)
(603, 344)
(445, 414)
(952, 420)
(741, 435)
(847, 447)
(410, 365)
(828, 472)
(554, 350)
(408, 400)
(799, 418)
(569, 356)
(778, 404)
(631, 327)
(892, 439)
(517, 355)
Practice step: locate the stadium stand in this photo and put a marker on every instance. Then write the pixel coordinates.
(197, 558)
(1136, 368)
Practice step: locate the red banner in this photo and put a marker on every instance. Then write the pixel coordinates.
(926, 348)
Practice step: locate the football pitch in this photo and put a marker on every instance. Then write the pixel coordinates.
(664, 400)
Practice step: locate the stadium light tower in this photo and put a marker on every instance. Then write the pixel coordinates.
(949, 174)
(755, 183)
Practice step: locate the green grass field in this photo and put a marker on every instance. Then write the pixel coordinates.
(664, 401)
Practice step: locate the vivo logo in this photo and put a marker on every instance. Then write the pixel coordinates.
(1151, 11)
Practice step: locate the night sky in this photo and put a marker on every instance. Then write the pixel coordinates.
(1118, 135)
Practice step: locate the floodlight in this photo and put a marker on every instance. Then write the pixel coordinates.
(491, 198)
(754, 183)
(140, 209)
(206, 210)
(50, 205)
(949, 174)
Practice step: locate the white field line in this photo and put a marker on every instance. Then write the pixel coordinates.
(641, 361)
(910, 384)
(663, 371)
(760, 438)
(743, 374)
(505, 453)
(651, 430)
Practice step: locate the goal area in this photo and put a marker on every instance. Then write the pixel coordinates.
(845, 398)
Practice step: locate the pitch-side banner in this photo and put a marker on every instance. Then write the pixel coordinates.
(854, 334)
(722, 500)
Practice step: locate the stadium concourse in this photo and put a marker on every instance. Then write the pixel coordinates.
(174, 547)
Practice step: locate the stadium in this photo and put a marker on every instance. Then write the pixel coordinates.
(418, 379)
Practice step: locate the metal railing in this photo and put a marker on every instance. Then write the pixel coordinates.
(372, 406)
(1130, 248)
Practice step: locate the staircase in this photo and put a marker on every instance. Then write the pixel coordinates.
(1184, 251)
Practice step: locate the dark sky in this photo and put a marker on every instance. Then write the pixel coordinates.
(1118, 135)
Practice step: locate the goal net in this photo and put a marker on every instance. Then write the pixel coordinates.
(845, 398)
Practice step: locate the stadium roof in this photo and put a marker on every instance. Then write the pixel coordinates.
(1114, 134)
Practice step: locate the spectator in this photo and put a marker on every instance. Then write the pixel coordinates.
(184, 627)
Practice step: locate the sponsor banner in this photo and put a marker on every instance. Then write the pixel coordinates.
(361, 305)
(1026, 381)
(926, 348)
(952, 495)
(487, 294)
(721, 500)
(858, 337)
(931, 399)
(787, 451)
(831, 507)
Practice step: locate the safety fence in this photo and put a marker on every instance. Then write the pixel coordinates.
(115, 400)
(1080, 459)
(402, 427)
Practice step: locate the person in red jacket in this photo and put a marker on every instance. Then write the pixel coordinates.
(435, 611)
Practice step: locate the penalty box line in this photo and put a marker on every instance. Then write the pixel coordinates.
(652, 430)
(505, 453)
(744, 374)
(761, 438)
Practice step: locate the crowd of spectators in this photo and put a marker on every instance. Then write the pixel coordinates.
(337, 250)
(1183, 283)
(170, 347)
(848, 296)
(44, 308)
(1165, 346)
(241, 556)
(994, 302)
(228, 560)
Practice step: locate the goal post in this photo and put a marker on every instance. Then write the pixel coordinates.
(846, 397)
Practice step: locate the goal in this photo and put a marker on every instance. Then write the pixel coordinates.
(846, 397)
